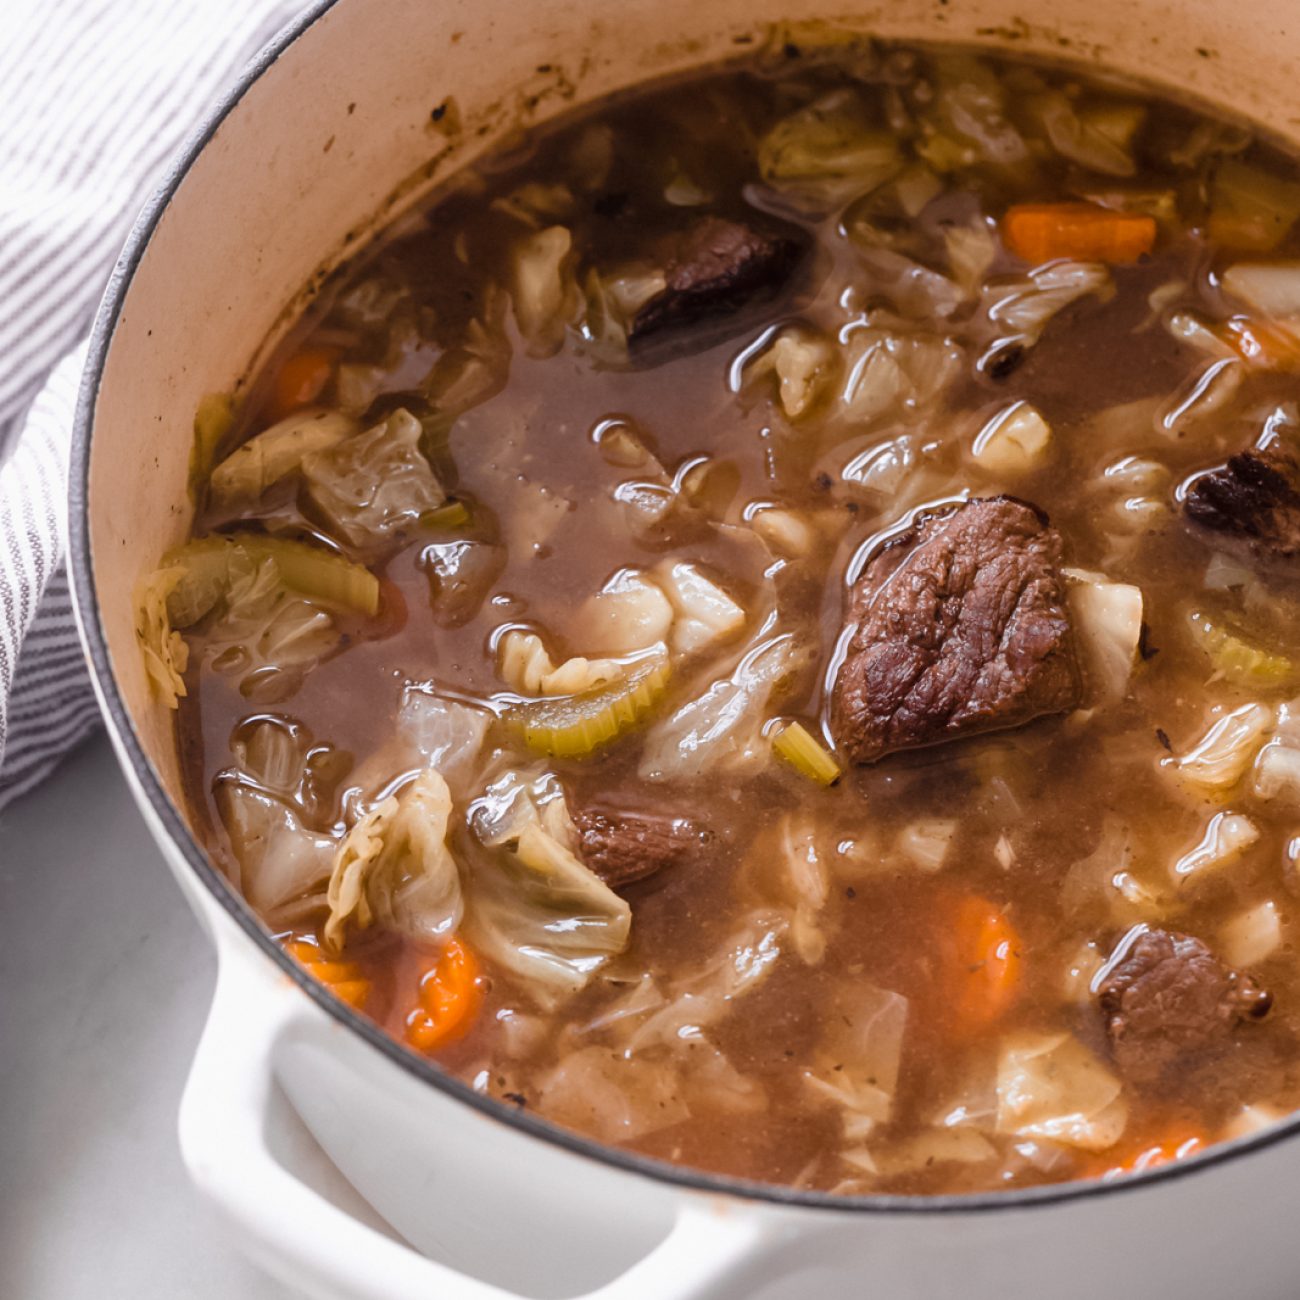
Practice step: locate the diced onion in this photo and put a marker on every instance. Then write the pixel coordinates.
(1251, 936)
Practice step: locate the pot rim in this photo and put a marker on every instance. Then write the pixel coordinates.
(114, 708)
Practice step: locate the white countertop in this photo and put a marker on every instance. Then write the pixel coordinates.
(104, 985)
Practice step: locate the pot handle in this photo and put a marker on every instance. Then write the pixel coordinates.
(308, 1242)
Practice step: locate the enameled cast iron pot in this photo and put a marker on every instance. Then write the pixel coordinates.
(329, 132)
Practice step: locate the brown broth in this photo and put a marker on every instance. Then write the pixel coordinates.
(1023, 808)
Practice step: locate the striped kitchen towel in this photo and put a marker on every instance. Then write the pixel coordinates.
(95, 97)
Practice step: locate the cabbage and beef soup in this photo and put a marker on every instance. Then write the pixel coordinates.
(760, 625)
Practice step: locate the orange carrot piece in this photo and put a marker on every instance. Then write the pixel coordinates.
(1041, 232)
(1150, 1153)
(300, 380)
(344, 978)
(985, 964)
(450, 993)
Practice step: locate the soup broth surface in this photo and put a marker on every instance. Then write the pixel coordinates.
(621, 420)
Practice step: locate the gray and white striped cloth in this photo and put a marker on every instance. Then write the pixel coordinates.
(95, 98)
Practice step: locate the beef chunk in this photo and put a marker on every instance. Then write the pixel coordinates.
(622, 847)
(958, 627)
(1253, 499)
(1170, 1005)
(715, 268)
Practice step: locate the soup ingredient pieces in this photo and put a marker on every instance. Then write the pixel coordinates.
(1236, 658)
(214, 417)
(981, 962)
(301, 379)
(165, 652)
(714, 269)
(892, 376)
(797, 746)
(959, 627)
(1226, 838)
(1253, 935)
(1251, 209)
(450, 994)
(574, 726)
(1170, 1004)
(345, 979)
(395, 868)
(829, 150)
(722, 729)
(802, 362)
(1053, 1087)
(1254, 500)
(1014, 441)
(1021, 307)
(1107, 617)
(622, 847)
(211, 565)
(1270, 288)
(630, 613)
(527, 667)
(1220, 758)
(542, 288)
(537, 911)
(246, 473)
(1151, 1152)
(704, 614)
(1082, 232)
(372, 487)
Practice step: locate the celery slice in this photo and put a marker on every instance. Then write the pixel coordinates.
(573, 726)
(1236, 658)
(796, 745)
(209, 563)
(451, 515)
(213, 419)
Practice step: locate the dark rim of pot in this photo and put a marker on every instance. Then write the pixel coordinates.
(215, 882)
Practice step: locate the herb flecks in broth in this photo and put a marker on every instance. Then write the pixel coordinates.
(760, 626)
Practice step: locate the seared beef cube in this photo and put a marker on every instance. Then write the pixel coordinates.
(715, 268)
(958, 627)
(1170, 1005)
(1254, 499)
(622, 847)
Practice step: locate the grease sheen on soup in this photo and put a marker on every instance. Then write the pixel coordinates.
(759, 624)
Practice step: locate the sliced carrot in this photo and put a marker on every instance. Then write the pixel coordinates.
(345, 979)
(983, 975)
(300, 380)
(1041, 232)
(1150, 1153)
(450, 993)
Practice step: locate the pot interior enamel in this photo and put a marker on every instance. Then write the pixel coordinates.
(346, 125)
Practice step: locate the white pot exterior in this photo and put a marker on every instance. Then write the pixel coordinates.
(332, 127)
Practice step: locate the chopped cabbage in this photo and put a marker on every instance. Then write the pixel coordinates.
(859, 1056)
(966, 121)
(165, 652)
(1100, 139)
(1014, 441)
(926, 841)
(704, 615)
(1053, 1087)
(370, 487)
(972, 250)
(1223, 754)
(1277, 773)
(895, 376)
(1022, 306)
(1250, 208)
(245, 474)
(616, 1098)
(519, 798)
(542, 289)
(1107, 619)
(1226, 838)
(802, 362)
(1271, 288)
(394, 867)
(538, 912)
(723, 727)
(267, 636)
(1204, 394)
(786, 532)
(933, 1146)
(829, 150)
(628, 614)
(1251, 936)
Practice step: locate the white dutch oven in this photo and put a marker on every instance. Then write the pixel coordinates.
(338, 122)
